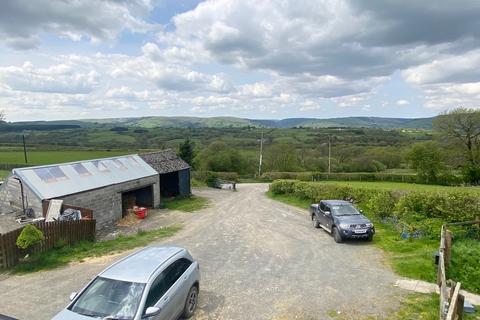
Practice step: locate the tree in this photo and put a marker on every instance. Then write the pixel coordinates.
(461, 128)
(427, 159)
(187, 151)
(281, 157)
(220, 157)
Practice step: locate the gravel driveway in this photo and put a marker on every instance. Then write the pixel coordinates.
(260, 259)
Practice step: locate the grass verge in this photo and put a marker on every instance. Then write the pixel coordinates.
(62, 255)
(409, 258)
(423, 307)
(197, 183)
(186, 204)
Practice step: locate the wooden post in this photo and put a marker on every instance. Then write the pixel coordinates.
(460, 303)
(448, 247)
(452, 309)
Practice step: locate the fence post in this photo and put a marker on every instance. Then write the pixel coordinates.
(453, 307)
(448, 247)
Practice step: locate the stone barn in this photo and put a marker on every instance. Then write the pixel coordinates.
(174, 173)
(103, 185)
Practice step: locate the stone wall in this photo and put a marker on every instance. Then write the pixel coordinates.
(11, 198)
(106, 202)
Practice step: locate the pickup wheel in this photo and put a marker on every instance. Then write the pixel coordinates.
(336, 235)
(315, 222)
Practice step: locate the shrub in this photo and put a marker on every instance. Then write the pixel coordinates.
(29, 237)
(381, 204)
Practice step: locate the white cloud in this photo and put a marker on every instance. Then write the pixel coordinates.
(60, 78)
(23, 21)
(402, 102)
(240, 56)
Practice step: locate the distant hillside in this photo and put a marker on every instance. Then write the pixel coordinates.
(232, 122)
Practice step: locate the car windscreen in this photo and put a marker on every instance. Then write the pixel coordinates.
(344, 210)
(109, 298)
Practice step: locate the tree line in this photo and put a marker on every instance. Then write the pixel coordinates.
(453, 149)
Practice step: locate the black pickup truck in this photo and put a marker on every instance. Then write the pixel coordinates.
(342, 220)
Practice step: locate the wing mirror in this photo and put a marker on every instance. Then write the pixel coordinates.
(151, 311)
(73, 295)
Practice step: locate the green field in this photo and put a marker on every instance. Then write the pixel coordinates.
(400, 186)
(48, 157)
(4, 174)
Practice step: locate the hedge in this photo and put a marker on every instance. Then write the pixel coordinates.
(205, 175)
(424, 211)
(357, 176)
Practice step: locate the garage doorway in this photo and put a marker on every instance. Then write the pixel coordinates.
(142, 197)
(169, 184)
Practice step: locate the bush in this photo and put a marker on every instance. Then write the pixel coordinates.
(29, 237)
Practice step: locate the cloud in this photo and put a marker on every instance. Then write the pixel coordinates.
(23, 21)
(346, 39)
(59, 78)
(241, 57)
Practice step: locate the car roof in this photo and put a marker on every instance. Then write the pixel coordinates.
(336, 202)
(141, 265)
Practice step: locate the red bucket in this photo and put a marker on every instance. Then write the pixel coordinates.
(141, 212)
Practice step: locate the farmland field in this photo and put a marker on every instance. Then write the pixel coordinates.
(4, 174)
(48, 157)
(400, 186)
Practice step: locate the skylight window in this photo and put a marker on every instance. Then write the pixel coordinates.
(81, 170)
(133, 161)
(119, 164)
(101, 166)
(50, 174)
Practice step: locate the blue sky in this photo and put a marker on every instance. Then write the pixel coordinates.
(253, 59)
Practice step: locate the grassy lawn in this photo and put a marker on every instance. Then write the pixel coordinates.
(465, 263)
(399, 186)
(409, 258)
(186, 204)
(48, 157)
(4, 174)
(86, 249)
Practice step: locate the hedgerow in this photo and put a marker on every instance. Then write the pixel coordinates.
(423, 211)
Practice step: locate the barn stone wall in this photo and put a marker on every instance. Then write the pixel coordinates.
(11, 198)
(106, 202)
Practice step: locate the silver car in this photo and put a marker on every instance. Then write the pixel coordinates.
(153, 283)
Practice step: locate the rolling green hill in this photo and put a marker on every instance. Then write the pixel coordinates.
(228, 122)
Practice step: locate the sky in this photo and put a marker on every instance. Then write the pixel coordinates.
(72, 59)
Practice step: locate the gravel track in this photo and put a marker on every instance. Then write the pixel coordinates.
(260, 259)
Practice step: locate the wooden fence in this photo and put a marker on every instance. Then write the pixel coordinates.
(68, 231)
(451, 300)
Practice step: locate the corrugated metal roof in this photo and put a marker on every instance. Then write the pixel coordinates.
(59, 180)
(165, 161)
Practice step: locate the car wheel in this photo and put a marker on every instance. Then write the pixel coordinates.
(315, 222)
(336, 235)
(370, 237)
(190, 303)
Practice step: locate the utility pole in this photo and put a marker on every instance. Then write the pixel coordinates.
(261, 157)
(329, 155)
(25, 149)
